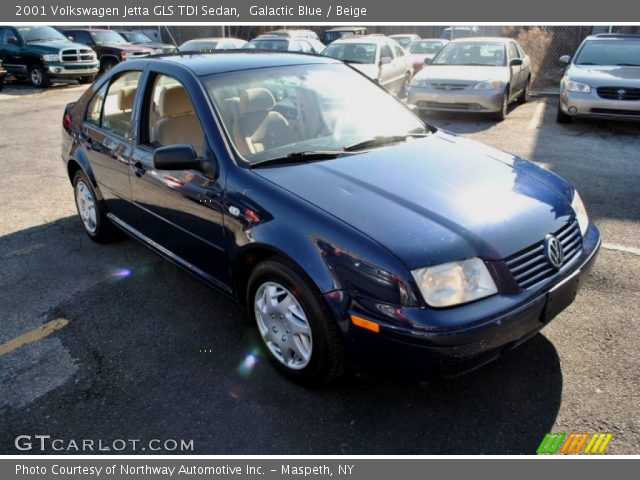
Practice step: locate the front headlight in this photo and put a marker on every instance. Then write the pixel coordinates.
(572, 86)
(51, 58)
(455, 282)
(489, 85)
(420, 83)
(581, 212)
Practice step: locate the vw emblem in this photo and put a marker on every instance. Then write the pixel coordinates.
(448, 87)
(621, 93)
(553, 250)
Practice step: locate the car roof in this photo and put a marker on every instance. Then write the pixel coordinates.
(483, 39)
(224, 61)
(210, 39)
(74, 29)
(373, 38)
(345, 29)
(613, 36)
(404, 35)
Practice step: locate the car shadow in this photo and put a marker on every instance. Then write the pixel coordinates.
(464, 122)
(159, 355)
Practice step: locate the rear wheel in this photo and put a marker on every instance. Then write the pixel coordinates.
(38, 77)
(298, 332)
(92, 213)
(524, 96)
(563, 117)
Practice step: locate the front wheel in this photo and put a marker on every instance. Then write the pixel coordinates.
(92, 213)
(504, 107)
(562, 117)
(299, 334)
(524, 96)
(38, 77)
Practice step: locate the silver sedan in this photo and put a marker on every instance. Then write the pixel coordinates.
(473, 75)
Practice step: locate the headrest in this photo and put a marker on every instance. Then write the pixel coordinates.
(125, 98)
(256, 100)
(174, 101)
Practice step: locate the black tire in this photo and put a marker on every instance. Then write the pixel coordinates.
(502, 114)
(562, 117)
(107, 65)
(85, 80)
(38, 77)
(105, 231)
(327, 359)
(524, 96)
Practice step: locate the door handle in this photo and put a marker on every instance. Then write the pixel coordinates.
(138, 169)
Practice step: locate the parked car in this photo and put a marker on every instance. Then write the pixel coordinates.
(294, 34)
(333, 34)
(291, 44)
(451, 33)
(3, 75)
(212, 43)
(137, 37)
(602, 80)
(335, 224)
(404, 39)
(110, 46)
(474, 75)
(424, 49)
(42, 55)
(378, 57)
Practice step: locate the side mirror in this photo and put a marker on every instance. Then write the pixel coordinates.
(13, 41)
(180, 157)
(428, 60)
(70, 37)
(515, 62)
(565, 59)
(385, 61)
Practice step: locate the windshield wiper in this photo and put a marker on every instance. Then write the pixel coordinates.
(300, 157)
(381, 140)
(627, 65)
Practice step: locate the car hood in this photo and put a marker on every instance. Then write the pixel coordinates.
(435, 199)
(126, 47)
(54, 46)
(605, 75)
(461, 73)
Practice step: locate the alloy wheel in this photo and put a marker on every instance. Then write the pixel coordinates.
(86, 207)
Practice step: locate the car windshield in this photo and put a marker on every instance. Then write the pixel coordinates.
(610, 52)
(425, 47)
(472, 53)
(108, 37)
(40, 34)
(403, 41)
(199, 46)
(270, 113)
(268, 44)
(337, 34)
(136, 37)
(352, 52)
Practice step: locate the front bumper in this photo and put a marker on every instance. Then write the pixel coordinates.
(482, 329)
(591, 105)
(62, 70)
(468, 100)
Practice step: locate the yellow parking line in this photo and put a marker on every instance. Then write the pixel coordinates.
(34, 335)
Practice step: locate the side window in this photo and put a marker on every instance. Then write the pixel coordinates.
(521, 51)
(385, 51)
(513, 51)
(118, 103)
(294, 46)
(171, 118)
(94, 108)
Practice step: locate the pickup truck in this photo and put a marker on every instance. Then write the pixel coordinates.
(41, 54)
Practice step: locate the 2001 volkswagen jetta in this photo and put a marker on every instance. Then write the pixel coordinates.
(300, 188)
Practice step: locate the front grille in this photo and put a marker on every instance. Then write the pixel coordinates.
(450, 86)
(531, 266)
(448, 106)
(619, 93)
(77, 55)
(616, 111)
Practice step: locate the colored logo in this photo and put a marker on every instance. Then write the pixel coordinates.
(574, 443)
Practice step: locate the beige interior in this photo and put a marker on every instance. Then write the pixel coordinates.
(176, 121)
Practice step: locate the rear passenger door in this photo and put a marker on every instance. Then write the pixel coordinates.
(181, 212)
(107, 135)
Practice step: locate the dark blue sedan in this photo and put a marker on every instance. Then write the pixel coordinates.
(302, 190)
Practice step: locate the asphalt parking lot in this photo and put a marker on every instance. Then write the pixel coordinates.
(141, 350)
